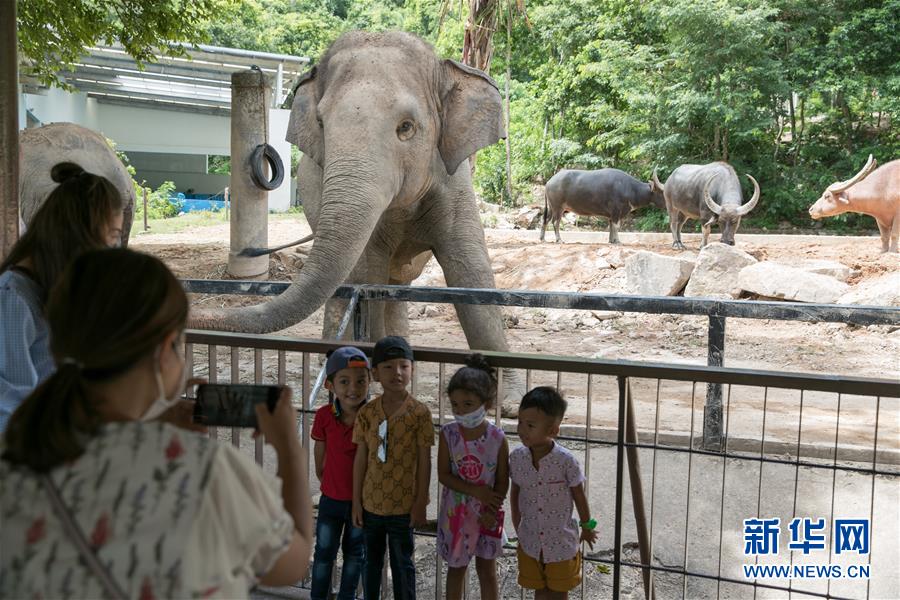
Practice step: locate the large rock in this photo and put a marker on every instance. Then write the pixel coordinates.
(882, 291)
(650, 274)
(716, 273)
(528, 217)
(832, 268)
(774, 280)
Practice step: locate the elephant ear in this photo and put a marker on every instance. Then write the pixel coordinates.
(303, 129)
(471, 114)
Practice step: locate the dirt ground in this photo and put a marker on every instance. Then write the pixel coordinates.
(585, 263)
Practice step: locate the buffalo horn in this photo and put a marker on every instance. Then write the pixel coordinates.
(751, 204)
(837, 188)
(656, 180)
(708, 199)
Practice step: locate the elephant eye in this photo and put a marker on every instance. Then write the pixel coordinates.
(406, 129)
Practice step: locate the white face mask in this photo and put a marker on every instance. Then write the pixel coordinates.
(161, 404)
(472, 419)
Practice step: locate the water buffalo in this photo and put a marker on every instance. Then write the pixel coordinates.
(609, 193)
(710, 193)
(873, 192)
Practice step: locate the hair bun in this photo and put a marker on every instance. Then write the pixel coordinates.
(64, 171)
(478, 361)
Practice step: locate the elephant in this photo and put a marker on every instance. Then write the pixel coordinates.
(42, 147)
(386, 130)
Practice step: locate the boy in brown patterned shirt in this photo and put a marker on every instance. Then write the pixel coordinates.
(392, 469)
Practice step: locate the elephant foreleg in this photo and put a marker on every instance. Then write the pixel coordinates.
(396, 316)
(465, 262)
(372, 268)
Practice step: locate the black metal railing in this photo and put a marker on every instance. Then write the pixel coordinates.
(717, 312)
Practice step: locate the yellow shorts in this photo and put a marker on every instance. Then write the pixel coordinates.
(556, 576)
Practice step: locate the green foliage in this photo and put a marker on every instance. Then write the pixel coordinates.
(54, 33)
(795, 92)
(220, 164)
(158, 205)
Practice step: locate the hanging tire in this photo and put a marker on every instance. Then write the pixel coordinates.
(268, 153)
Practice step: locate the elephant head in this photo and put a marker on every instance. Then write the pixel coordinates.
(382, 121)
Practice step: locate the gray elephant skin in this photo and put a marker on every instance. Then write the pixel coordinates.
(711, 193)
(609, 193)
(386, 129)
(42, 147)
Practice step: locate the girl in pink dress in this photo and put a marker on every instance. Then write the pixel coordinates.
(473, 467)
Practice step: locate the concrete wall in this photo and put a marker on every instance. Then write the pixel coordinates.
(185, 170)
(57, 106)
(162, 144)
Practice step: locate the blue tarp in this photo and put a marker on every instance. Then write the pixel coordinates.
(197, 202)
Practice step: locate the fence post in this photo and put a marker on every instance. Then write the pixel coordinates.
(712, 411)
(9, 131)
(144, 189)
(250, 99)
(620, 466)
(637, 495)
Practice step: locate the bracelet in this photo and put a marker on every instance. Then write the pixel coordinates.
(590, 524)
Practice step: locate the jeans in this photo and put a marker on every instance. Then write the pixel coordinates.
(335, 517)
(399, 536)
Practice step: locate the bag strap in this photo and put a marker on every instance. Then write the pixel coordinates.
(76, 536)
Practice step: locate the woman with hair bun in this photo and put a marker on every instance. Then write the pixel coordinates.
(83, 213)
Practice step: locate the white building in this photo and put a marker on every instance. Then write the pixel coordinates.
(170, 117)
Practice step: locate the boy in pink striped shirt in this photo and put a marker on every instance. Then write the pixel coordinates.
(546, 481)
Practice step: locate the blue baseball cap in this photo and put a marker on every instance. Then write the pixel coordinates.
(346, 357)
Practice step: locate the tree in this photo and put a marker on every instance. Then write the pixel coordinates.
(53, 34)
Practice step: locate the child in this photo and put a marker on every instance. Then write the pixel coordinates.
(546, 479)
(347, 380)
(472, 466)
(392, 469)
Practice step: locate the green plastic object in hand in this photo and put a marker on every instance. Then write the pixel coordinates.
(589, 525)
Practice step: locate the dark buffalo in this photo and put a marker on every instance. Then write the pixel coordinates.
(609, 193)
(710, 193)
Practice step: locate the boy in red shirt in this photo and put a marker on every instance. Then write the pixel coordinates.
(347, 380)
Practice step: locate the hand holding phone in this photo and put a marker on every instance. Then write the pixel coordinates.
(279, 426)
(233, 405)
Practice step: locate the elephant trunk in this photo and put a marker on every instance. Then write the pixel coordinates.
(352, 204)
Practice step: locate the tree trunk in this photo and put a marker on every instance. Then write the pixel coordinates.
(509, 193)
(799, 136)
(793, 119)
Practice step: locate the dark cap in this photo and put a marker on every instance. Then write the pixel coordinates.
(346, 357)
(390, 347)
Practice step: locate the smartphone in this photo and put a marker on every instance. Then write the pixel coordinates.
(232, 405)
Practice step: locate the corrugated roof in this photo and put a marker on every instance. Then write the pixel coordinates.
(200, 82)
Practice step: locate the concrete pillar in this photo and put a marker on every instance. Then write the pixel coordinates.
(250, 100)
(9, 130)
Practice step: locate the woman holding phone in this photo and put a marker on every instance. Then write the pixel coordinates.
(99, 499)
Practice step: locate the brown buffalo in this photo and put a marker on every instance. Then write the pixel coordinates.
(873, 192)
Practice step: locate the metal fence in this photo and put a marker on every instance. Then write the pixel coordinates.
(716, 311)
(638, 395)
(764, 444)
